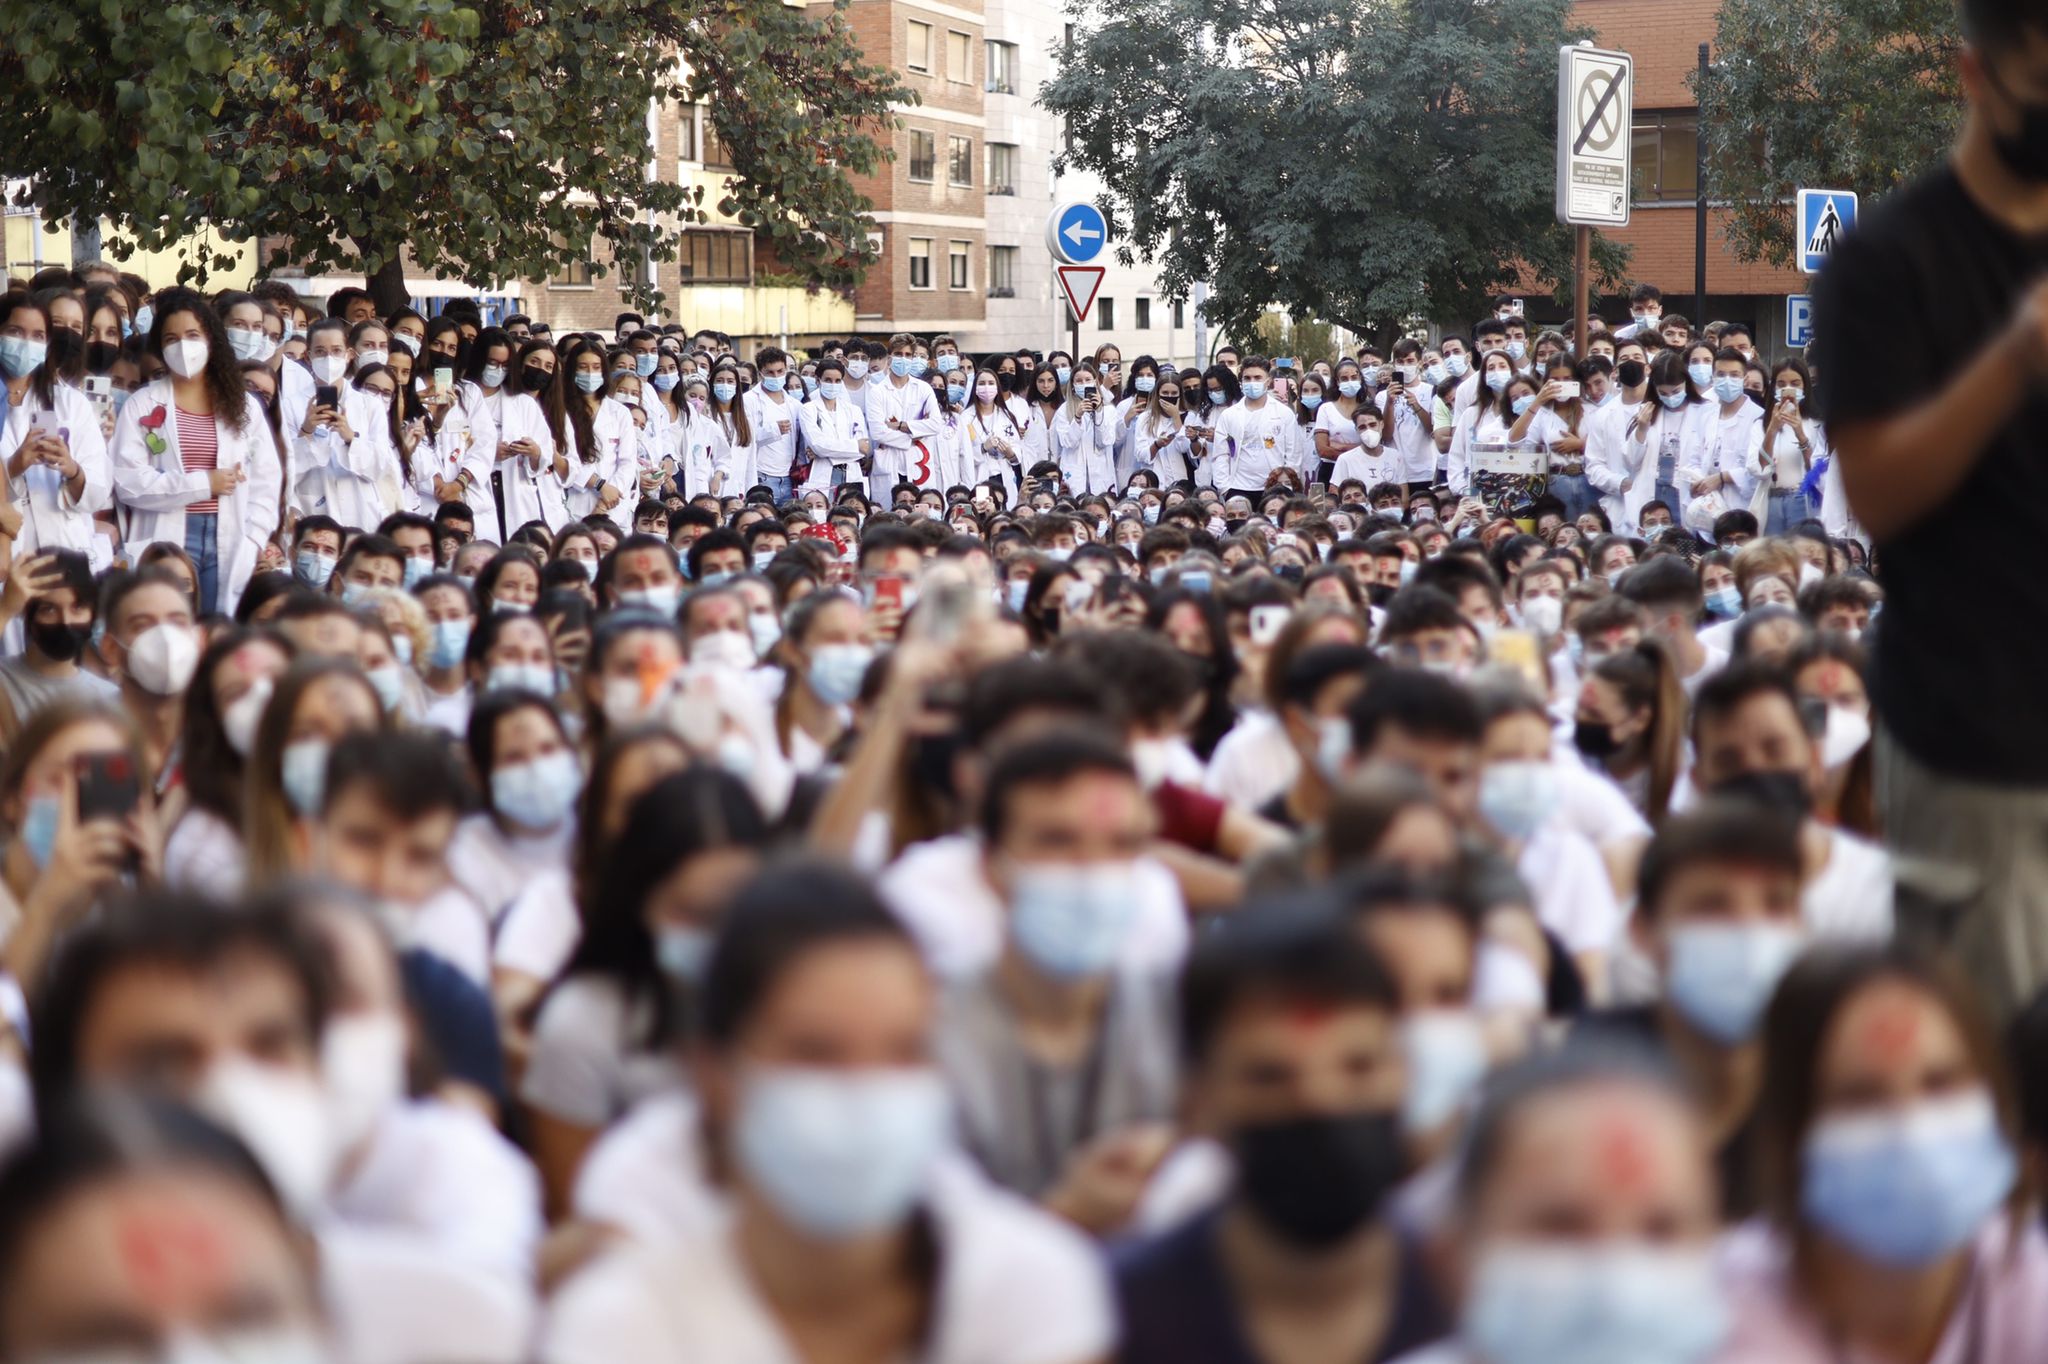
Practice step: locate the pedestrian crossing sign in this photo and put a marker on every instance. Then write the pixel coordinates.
(1824, 215)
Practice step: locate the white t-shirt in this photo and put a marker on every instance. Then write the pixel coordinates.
(1851, 897)
(1716, 660)
(645, 1176)
(1574, 898)
(494, 867)
(1253, 763)
(205, 854)
(1015, 1286)
(448, 713)
(939, 891)
(588, 1065)
(540, 931)
(443, 1174)
(453, 928)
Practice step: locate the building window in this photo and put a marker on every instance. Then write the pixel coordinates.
(923, 153)
(1141, 315)
(920, 262)
(1180, 316)
(959, 57)
(714, 149)
(1665, 156)
(1002, 68)
(918, 48)
(709, 256)
(686, 132)
(1002, 272)
(960, 161)
(1002, 168)
(1105, 314)
(575, 275)
(956, 264)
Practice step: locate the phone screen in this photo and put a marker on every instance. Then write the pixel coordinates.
(327, 395)
(108, 786)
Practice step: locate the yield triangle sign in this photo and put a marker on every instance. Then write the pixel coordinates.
(1081, 283)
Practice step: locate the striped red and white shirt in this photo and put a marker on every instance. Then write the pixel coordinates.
(199, 443)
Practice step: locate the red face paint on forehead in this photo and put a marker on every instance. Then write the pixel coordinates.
(172, 1257)
(1310, 1017)
(1622, 1150)
(246, 659)
(1890, 1033)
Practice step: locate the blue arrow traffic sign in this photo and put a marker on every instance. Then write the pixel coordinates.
(1077, 233)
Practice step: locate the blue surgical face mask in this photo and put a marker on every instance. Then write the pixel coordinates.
(683, 953)
(918, 366)
(1311, 401)
(533, 677)
(717, 579)
(947, 363)
(1722, 974)
(1905, 1187)
(902, 366)
(774, 383)
(20, 356)
(1145, 383)
(1724, 602)
(1497, 379)
(832, 389)
(588, 382)
(1072, 920)
(1064, 374)
(354, 594)
(663, 601)
(1516, 797)
(415, 569)
(1197, 580)
(1673, 401)
(1458, 365)
(643, 364)
(956, 394)
(450, 643)
(1435, 374)
(810, 384)
(1521, 404)
(537, 794)
(303, 768)
(1701, 372)
(1516, 350)
(1603, 1302)
(1254, 389)
(494, 376)
(313, 569)
(145, 318)
(1728, 387)
(39, 828)
(841, 1153)
(1447, 1060)
(837, 671)
(724, 390)
(1014, 592)
(665, 383)
(1349, 387)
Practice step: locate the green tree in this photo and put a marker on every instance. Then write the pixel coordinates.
(1836, 94)
(496, 139)
(1360, 161)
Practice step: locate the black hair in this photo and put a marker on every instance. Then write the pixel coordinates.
(1140, 673)
(1046, 760)
(1294, 952)
(789, 911)
(408, 772)
(1721, 832)
(368, 547)
(1451, 574)
(1418, 607)
(1313, 668)
(1741, 681)
(724, 537)
(1417, 702)
(1664, 583)
(491, 707)
(1004, 690)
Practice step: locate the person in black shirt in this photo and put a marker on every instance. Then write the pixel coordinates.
(1931, 323)
(1291, 1059)
(1719, 915)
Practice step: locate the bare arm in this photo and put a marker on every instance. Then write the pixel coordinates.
(1897, 469)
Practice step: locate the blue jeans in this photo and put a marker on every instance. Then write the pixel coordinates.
(1575, 492)
(1788, 509)
(202, 542)
(782, 485)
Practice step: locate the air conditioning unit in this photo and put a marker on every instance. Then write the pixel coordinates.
(1002, 292)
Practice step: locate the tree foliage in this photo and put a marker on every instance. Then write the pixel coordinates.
(497, 139)
(1362, 161)
(1835, 94)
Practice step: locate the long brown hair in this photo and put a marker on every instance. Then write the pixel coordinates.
(1647, 676)
(267, 821)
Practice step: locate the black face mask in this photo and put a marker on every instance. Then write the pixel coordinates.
(58, 642)
(535, 380)
(1595, 740)
(100, 356)
(1292, 573)
(1631, 373)
(1782, 793)
(931, 762)
(1379, 594)
(2025, 153)
(1315, 1180)
(65, 346)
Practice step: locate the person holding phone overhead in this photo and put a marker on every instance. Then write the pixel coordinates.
(1931, 326)
(194, 464)
(55, 459)
(1159, 440)
(1084, 435)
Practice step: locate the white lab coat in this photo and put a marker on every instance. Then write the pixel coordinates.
(152, 489)
(917, 407)
(1171, 462)
(617, 463)
(986, 439)
(481, 413)
(833, 432)
(448, 454)
(1087, 445)
(738, 460)
(50, 517)
(533, 491)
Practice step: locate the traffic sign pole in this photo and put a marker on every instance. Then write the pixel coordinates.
(1582, 286)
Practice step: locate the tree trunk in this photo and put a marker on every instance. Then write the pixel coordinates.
(387, 286)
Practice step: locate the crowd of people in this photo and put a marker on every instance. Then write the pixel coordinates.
(636, 851)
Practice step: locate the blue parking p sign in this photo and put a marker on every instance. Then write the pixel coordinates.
(1824, 215)
(1798, 321)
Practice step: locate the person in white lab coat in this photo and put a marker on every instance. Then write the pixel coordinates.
(193, 461)
(1610, 449)
(1084, 436)
(1159, 437)
(995, 435)
(57, 474)
(1255, 437)
(1044, 398)
(835, 432)
(1793, 443)
(1729, 439)
(603, 478)
(485, 391)
(535, 427)
(734, 440)
(902, 411)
